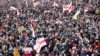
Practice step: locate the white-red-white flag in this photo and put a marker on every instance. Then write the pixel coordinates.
(12, 8)
(36, 4)
(86, 9)
(73, 50)
(32, 22)
(39, 44)
(68, 7)
(47, 11)
(15, 9)
(79, 35)
(55, 4)
(58, 22)
(27, 49)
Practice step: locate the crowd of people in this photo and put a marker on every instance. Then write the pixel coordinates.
(64, 36)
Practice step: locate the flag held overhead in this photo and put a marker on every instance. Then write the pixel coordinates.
(39, 44)
(68, 7)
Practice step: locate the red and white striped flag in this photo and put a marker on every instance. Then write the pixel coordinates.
(86, 9)
(58, 22)
(36, 4)
(28, 49)
(39, 44)
(68, 7)
(79, 36)
(32, 22)
(55, 4)
(12, 8)
(15, 9)
(73, 49)
(47, 11)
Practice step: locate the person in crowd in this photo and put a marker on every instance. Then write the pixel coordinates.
(74, 31)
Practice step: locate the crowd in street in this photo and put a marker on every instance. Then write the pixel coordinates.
(64, 36)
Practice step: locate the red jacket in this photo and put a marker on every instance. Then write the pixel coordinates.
(27, 54)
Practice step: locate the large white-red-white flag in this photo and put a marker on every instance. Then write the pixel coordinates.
(68, 7)
(39, 44)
